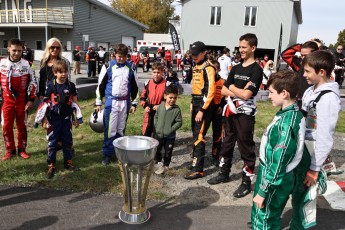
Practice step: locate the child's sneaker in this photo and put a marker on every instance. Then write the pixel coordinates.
(159, 168)
(106, 161)
(51, 171)
(69, 166)
(23, 154)
(8, 155)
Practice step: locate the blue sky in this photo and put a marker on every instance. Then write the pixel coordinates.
(321, 19)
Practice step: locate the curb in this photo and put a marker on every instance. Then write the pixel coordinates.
(335, 195)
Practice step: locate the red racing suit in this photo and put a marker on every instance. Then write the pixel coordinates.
(152, 94)
(18, 86)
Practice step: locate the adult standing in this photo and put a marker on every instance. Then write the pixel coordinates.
(264, 61)
(168, 58)
(100, 58)
(28, 54)
(178, 57)
(146, 60)
(187, 68)
(52, 52)
(163, 53)
(18, 86)
(135, 57)
(91, 58)
(340, 62)
(76, 60)
(225, 64)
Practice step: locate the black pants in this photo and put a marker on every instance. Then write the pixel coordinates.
(238, 128)
(217, 135)
(338, 77)
(92, 69)
(99, 66)
(168, 144)
(199, 132)
(148, 126)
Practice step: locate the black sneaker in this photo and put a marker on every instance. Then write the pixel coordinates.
(220, 178)
(193, 175)
(215, 162)
(106, 161)
(51, 171)
(243, 190)
(69, 166)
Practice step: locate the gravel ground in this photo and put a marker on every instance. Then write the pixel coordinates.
(172, 182)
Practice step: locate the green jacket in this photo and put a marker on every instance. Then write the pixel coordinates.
(167, 121)
(281, 147)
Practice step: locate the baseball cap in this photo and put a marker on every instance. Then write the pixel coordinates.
(197, 48)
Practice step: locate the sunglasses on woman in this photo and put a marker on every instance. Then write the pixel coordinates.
(55, 47)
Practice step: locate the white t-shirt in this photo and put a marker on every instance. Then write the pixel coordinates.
(178, 56)
(224, 62)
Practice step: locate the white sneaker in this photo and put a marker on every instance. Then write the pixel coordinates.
(160, 168)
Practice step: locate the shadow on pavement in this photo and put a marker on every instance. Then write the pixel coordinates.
(23, 195)
(39, 223)
(169, 215)
(326, 219)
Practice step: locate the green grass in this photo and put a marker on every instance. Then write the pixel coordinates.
(94, 177)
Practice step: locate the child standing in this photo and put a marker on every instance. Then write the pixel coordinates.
(201, 107)
(18, 88)
(61, 93)
(321, 106)
(242, 85)
(281, 150)
(167, 120)
(151, 96)
(119, 85)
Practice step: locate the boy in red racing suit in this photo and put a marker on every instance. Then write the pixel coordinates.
(151, 97)
(18, 87)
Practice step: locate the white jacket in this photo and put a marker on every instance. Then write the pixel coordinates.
(321, 123)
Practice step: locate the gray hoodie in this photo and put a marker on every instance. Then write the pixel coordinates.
(320, 123)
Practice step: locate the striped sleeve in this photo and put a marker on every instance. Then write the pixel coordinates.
(210, 85)
(279, 152)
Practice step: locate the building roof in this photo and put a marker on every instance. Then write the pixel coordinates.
(112, 10)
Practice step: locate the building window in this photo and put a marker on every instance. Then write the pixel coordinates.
(216, 14)
(250, 16)
(5, 43)
(38, 45)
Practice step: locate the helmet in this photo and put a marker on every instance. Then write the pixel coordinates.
(96, 121)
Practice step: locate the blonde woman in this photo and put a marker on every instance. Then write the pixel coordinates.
(52, 52)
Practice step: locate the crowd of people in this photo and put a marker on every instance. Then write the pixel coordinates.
(294, 149)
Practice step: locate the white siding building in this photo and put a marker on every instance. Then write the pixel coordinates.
(220, 23)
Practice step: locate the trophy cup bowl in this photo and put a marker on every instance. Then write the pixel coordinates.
(135, 154)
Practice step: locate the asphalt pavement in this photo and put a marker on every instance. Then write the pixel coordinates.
(36, 208)
(39, 208)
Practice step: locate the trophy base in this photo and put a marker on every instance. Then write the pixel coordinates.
(130, 218)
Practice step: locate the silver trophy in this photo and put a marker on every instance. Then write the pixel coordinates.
(135, 154)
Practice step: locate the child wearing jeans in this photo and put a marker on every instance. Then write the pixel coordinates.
(167, 120)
